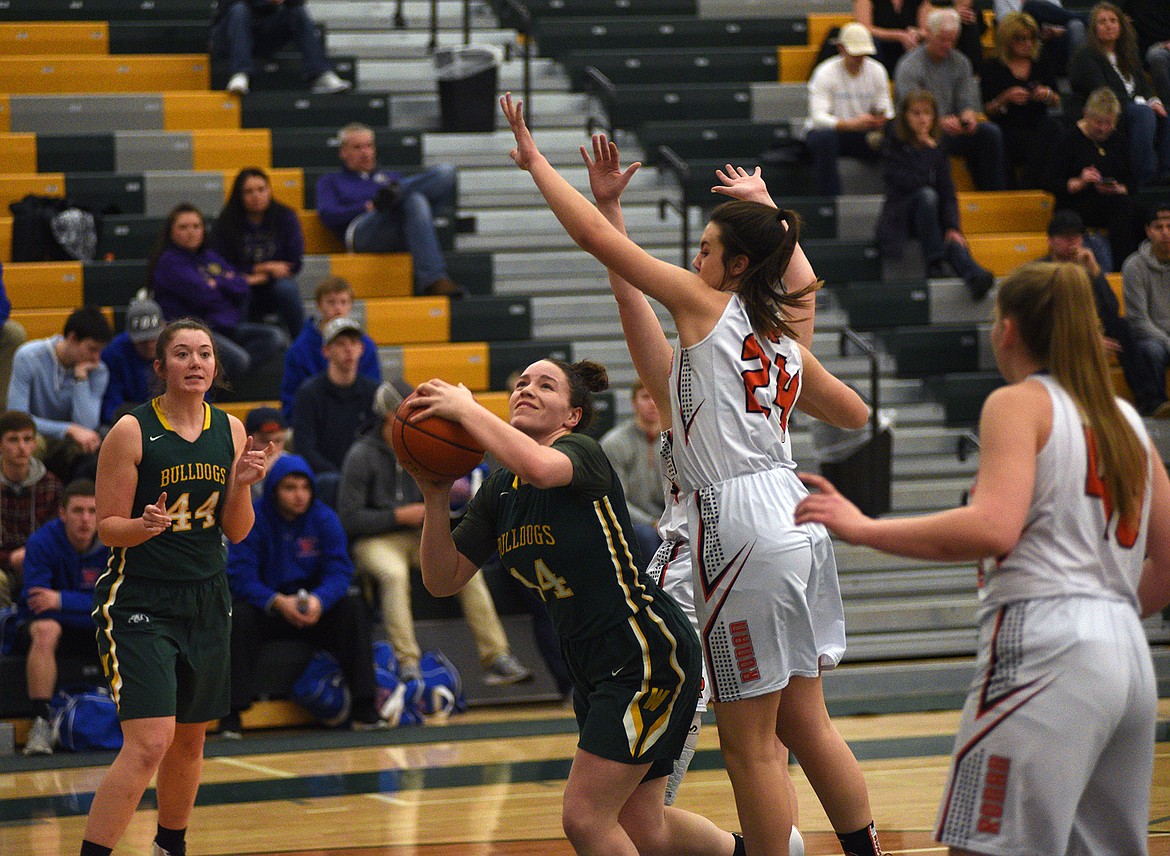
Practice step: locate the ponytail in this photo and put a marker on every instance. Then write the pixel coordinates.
(1054, 308)
(767, 238)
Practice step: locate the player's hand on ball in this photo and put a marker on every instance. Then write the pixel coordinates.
(829, 507)
(155, 517)
(436, 397)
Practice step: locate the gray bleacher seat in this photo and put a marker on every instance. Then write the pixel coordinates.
(317, 147)
(731, 139)
(669, 65)
(280, 72)
(76, 153)
(164, 189)
(557, 36)
(106, 10)
(279, 110)
(477, 318)
(85, 114)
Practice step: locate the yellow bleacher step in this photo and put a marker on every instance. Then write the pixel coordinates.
(961, 176)
(408, 320)
(992, 211)
(319, 239)
(496, 402)
(820, 23)
(375, 274)
(18, 152)
(1002, 254)
(796, 62)
(54, 74)
(240, 409)
(5, 113)
(192, 111)
(457, 362)
(232, 149)
(5, 240)
(54, 37)
(16, 186)
(44, 285)
(1115, 283)
(42, 323)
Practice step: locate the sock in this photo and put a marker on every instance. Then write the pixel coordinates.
(40, 708)
(863, 842)
(88, 848)
(740, 847)
(174, 841)
(795, 843)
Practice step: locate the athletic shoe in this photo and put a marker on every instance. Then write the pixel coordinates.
(238, 83)
(156, 850)
(230, 727)
(40, 738)
(506, 669)
(328, 83)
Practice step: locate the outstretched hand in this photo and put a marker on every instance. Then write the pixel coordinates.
(828, 506)
(525, 151)
(607, 179)
(253, 463)
(738, 183)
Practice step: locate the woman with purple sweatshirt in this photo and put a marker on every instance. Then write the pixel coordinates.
(191, 281)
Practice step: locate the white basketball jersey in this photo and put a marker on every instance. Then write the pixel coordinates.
(731, 397)
(1071, 545)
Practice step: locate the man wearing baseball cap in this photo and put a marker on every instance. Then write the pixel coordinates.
(1067, 243)
(266, 425)
(130, 358)
(330, 408)
(848, 103)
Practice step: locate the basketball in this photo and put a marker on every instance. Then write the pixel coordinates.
(434, 448)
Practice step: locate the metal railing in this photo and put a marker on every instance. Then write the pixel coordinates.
(877, 473)
(672, 162)
(602, 88)
(525, 31)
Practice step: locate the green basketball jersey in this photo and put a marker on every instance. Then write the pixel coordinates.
(194, 476)
(573, 545)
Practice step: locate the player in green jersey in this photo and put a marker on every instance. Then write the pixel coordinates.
(172, 479)
(556, 513)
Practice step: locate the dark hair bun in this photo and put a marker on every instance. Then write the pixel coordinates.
(593, 375)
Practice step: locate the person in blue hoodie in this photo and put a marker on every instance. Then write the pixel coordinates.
(62, 562)
(290, 578)
(377, 210)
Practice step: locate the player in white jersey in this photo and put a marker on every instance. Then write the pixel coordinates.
(741, 260)
(1055, 747)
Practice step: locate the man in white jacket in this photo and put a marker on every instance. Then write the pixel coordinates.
(848, 99)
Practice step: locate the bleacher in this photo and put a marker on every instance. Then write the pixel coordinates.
(90, 109)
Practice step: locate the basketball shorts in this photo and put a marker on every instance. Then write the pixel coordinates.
(635, 687)
(1056, 743)
(670, 568)
(766, 594)
(165, 649)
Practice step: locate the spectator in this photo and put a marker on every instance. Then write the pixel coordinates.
(971, 29)
(945, 73)
(332, 406)
(12, 336)
(381, 509)
(243, 29)
(334, 298)
(266, 425)
(1066, 243)
(1061, 31)
(1110, 58)
(297, 544)
(380, 211)
(848, 100)
(920, 197)
(191, 280)
(63, 562)
(1091, 175)
(1152, 25)
(130, 360)
(632, 448)
(60, 382)
(1019, 88)
(896, 30)
(30, 496)
(1145, 278)
(263, 238)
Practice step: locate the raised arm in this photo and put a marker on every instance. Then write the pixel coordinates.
(649, 348)
(694, 306)
(251, 464)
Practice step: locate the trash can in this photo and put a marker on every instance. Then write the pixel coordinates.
(858, 463)
(467, 88)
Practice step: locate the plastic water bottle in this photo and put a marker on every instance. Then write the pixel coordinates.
(302, 601)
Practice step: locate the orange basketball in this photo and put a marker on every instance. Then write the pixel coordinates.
(434, 448)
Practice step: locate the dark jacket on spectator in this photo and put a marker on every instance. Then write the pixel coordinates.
(202, 285)
(906, 169)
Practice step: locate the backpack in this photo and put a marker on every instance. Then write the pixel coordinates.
(398, 703)
(51, 229)
(443, 688)
(85, 720)
(321, 689)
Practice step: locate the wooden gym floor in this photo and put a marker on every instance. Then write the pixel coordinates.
(485, 782)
